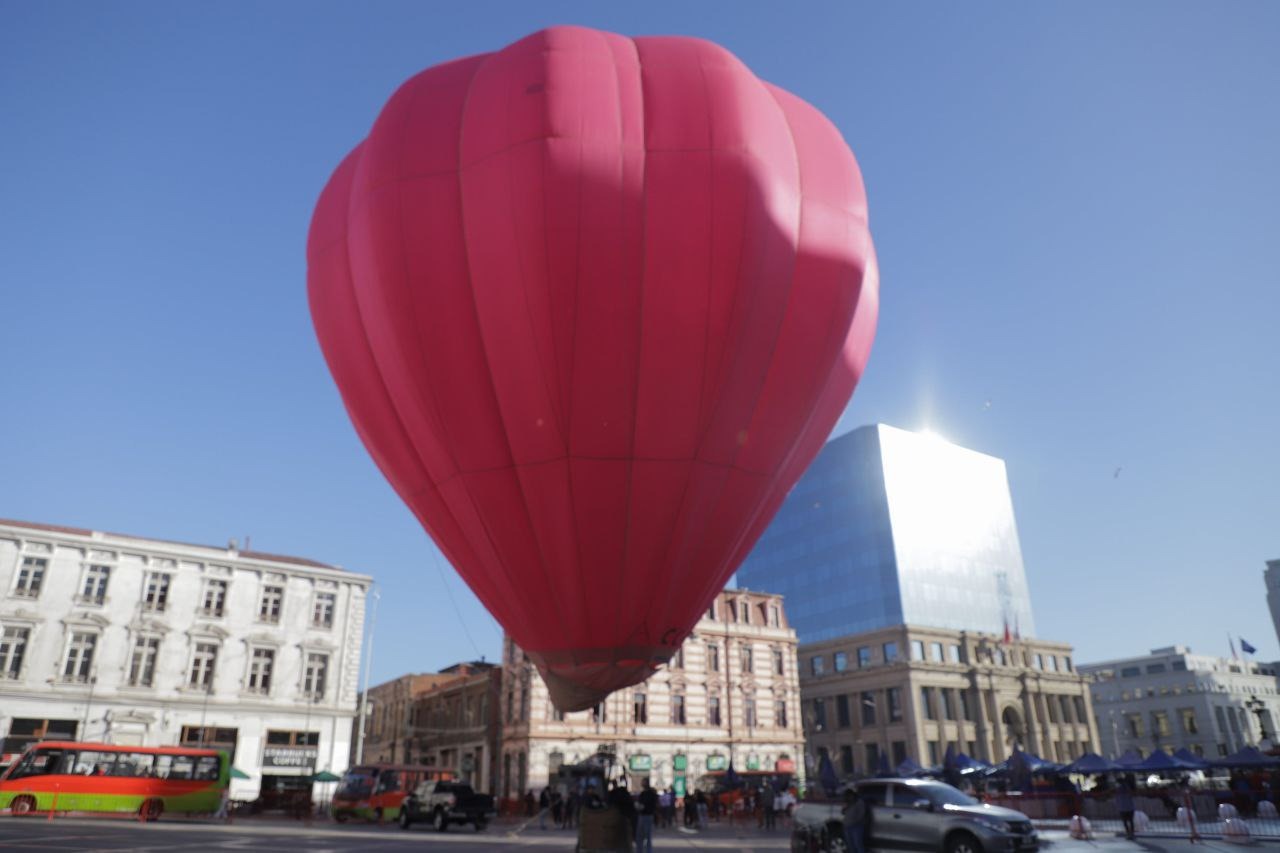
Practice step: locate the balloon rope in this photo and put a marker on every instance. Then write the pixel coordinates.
(444, 581)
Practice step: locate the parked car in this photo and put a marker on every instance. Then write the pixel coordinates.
(917, 814)
(443, 803)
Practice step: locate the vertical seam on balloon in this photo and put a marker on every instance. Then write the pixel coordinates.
(515, 467)
(693, 470)
(773, 349)
(448, 434)
(639, 352)
(349, 284)
(426, 391)
(822, 392)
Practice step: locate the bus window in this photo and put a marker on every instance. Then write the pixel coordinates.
(42, 763)
(388, 781)
(183, 767)
(92, 763)
(207, 767)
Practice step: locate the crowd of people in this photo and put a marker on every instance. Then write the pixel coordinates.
(651, 809)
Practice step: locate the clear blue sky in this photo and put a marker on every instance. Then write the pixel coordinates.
(1076, 207)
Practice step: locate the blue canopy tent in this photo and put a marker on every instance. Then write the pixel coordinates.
(1090, 763)
(1131, 758)
(1246, 758)
(967, 764)
(909, 768)
(1161, 760)
(826, 775)
(1187, 756)
(950, 770)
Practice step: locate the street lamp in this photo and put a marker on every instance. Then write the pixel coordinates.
(364, 694)
(84, 728)
(1259, 707)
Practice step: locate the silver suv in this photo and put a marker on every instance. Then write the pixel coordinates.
(917, 814)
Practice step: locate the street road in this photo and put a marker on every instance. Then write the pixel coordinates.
(37, 834)
(253, 835)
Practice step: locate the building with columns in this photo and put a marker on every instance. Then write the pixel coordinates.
(120, 639)
(909, 692)
(731, 694)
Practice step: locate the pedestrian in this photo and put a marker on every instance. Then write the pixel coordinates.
(701, 800)
(530, 803)
(644, 821)
(664, 802)
(544, 806)
(690, 809)
(854, 817)
(1124, 805)
(557, 809)
(767, 799)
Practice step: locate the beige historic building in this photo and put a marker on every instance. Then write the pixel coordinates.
(730, 694)
(909, 692)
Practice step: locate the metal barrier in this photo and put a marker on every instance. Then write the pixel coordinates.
(1210, 808)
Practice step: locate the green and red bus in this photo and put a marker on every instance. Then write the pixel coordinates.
(104, 777)
(375, 791)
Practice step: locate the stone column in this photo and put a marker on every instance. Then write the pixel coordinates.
(981, 726)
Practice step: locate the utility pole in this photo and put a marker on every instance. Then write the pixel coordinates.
(364, 694)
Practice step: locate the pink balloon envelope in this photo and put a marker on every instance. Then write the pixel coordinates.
(593, 304)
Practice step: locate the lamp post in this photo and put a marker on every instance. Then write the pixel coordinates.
(1259, 707)
(364, 694)
(84, 727)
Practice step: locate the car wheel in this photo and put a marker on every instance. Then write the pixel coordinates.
(963, 842)
(150, 810)
(833, 840)
(340, 817)
(22, 806)
(440, 821)
(377, 815)
(404, 819)
(481, 824)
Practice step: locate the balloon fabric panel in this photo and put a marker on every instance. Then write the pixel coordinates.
(593, 303)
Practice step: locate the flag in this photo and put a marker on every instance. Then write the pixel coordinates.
(1017, 632)
(1232, 643)
(1007, 638)
(1245, 647)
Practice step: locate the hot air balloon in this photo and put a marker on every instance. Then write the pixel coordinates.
(593, 304)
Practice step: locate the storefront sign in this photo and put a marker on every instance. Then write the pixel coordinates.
(289, 756)
(678, 786)
(785, 765)
(640, 762)
(716, 762)
(680, 761)
(753, 762)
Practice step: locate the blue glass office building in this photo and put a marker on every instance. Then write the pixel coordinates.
(889, 527)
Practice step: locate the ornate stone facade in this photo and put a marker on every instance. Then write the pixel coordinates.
(909, 692)
(730, 694)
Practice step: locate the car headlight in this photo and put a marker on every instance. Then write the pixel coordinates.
(994, 824)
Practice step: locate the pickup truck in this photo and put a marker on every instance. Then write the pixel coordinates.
(443, 803)
(915, 814)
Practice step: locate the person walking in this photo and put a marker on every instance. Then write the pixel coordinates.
(644, 823)
(544, 806)
(665, 800)
(701, 800)
(767, 798)
(1124, 805)
(854, 817)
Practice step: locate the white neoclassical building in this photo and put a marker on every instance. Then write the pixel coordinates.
(107, 637)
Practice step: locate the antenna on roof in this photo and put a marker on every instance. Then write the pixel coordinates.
(246, 542)
(231, 544)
